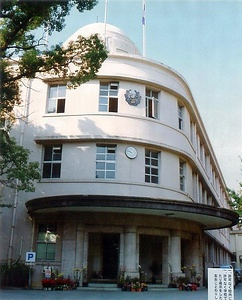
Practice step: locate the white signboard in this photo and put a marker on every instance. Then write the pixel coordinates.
(30, 257)
(220, 284)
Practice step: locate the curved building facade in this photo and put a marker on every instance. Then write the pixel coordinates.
(129, 177)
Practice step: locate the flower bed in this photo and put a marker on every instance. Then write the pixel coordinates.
(134, 286)
(188, 287)
(58, 284)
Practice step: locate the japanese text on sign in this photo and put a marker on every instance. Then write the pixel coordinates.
(220, 284)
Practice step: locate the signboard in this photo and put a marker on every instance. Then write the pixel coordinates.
(30, 257)
(47, 273)
(220, 284)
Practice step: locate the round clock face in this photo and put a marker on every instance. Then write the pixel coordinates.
(131, 152)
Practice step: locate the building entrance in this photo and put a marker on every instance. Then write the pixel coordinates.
(150, 257)
(103, 256)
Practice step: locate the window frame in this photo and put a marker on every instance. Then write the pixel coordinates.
(152, 169)
(108, 97)
(180, 116)
(151, 103)
(182, 175)
(48, 243)
(51, 162)
(56, 103)
(106, 161)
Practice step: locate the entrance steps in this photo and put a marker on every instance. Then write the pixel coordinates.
(101, 286)
(113, 287)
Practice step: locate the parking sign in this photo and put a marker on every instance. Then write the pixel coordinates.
(30, 257)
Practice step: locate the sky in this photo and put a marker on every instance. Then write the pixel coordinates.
(201, 40)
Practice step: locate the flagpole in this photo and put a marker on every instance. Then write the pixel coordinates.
(105, 21)
(143, 27)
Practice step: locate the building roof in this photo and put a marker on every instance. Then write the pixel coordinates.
(116, 40)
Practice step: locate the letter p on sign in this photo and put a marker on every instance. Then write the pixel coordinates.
(30, 257)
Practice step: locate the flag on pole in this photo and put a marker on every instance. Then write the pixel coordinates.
(144, 27)
(143, 14)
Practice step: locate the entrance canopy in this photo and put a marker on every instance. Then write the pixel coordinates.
(207, 216)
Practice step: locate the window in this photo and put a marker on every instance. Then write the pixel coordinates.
(108, 97)
(180, 116)
(105, 161)
(46, 242)
(151, 102)
(182, 165)
(151, 166)
(56, 99)
(52, 161)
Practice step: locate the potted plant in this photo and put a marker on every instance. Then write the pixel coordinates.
(135, 286)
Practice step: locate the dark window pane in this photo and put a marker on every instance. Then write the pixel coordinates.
(113, 104)
(57, 152)
(41, 251)
(46, 170)
(154, 179)
(56, 170)
(150, 113)
(50, 255)
(61, 106)
(48, 153)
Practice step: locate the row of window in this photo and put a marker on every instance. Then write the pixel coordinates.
(106, 164)
(108, 100)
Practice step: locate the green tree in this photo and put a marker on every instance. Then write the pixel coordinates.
(24, 55)
(15, 169)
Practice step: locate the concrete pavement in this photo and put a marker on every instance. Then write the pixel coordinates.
(82, 293)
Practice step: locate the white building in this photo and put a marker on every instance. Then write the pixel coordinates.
(129, 177)
(236, 247)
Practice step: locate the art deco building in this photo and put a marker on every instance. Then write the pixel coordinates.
(129, 176)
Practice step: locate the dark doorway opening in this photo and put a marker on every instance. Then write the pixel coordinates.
(110, 255)
(103, 256)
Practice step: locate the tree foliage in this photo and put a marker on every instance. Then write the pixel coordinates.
(15, 169)
(25, 55)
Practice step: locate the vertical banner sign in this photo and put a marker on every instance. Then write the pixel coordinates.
(220, 284)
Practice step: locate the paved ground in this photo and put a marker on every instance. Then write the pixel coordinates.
(175, 294)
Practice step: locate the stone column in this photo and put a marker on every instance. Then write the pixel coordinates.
(68, 249)
(85, 257)
(121, 252)
(165, 261)
(79, 250)
(175, 254)
(196, 257)
(130, 252)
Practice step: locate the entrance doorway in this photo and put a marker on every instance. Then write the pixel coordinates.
(150, 257)
(103, 256)
(110, 256)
